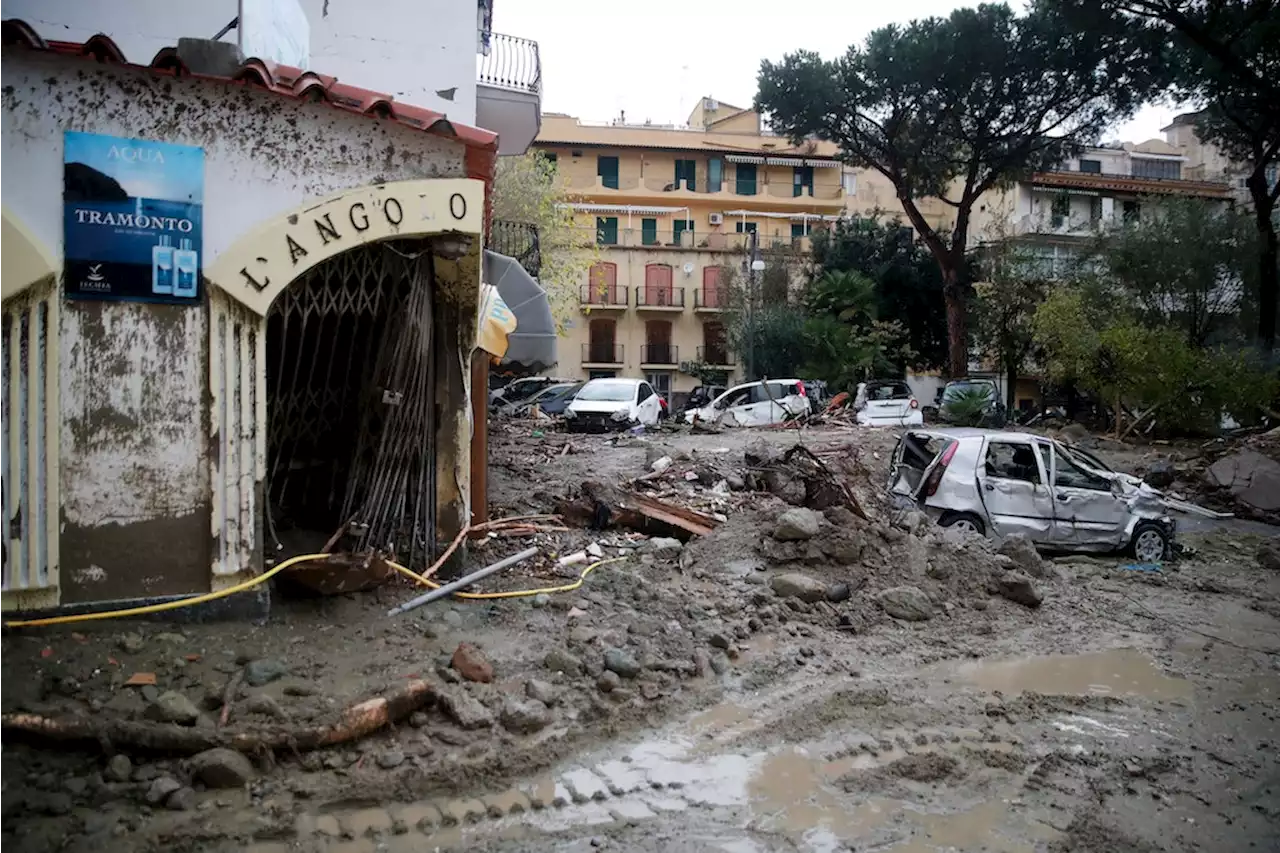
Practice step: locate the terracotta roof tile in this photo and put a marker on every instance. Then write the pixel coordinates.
(282, 80)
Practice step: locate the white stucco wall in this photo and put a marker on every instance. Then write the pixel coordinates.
(135, 472)
(409, 49)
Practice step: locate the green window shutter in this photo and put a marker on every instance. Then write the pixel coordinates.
(745, 183)
(802, 177)
(715, 174)
(607, 169)
(745, 227)
(649, 232)
(680, 227)
(686, 171)
(607, 230)
(797, 230)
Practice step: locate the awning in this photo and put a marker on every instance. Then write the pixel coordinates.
(824, 164)
(767, 215)
(533, 343)
(784, 161)
(744, 158)
(639, 210)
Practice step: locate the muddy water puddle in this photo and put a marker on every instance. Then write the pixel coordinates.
(1116, 672)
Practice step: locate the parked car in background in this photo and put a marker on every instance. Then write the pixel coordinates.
(999, 483)
(701, 395)
(604, 404)
(886, 402)
(752, 404)
(522, 389)
(971, 402)
(552, 400)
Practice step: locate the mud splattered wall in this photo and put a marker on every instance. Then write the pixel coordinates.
(135, 482)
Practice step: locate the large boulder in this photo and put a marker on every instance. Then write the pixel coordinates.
(222, 768)
(797, 524)
(1021, 589)
(906, 602)
(1161, 474)
(796, 585)
(1252, 479)
(1024, 555)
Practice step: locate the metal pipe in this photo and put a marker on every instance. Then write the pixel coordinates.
(463, 582)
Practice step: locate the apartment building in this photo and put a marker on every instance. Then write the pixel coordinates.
(672, 209)
(1205, 161)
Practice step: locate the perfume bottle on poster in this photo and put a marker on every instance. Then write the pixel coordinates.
(162, 267)
(186, 262)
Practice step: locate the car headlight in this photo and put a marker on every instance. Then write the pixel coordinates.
(621, 415)
(570, 413)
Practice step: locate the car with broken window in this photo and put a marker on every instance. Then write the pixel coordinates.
(755, 404)
(610, 404)
(1004, 483)
(886, 402)
(520, 390)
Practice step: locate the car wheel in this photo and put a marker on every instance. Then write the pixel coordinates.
(1151, 543)
(963, 521)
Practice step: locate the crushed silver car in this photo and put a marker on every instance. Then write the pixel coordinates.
(1003, 483)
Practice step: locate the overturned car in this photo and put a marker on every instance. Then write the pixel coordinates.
(1004, 483)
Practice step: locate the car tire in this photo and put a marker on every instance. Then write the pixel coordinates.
(1148, 537)
(963, 520)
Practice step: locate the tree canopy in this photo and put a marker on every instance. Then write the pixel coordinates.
(952, 107)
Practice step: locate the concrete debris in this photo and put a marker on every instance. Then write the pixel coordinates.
(1019, 588)
(1161, 474)
(544, 691)
(1023, 554)
(797, 524)
(908, 603)
(1251, 478)
(464, 709)
(664, 545)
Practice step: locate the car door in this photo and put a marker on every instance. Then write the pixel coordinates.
(647, 405)
(1086, 508)
(1013, 483)
(734, 404)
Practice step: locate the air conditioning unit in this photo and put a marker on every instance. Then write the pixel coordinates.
(716, 218)
(686, 367)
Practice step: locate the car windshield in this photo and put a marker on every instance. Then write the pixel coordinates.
(955, 389)
(888, 391)
(551, 392)
(607, 391)
(1082, 458)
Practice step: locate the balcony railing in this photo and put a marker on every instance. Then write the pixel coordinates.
(718, 356)
(602, 353)
(659, 297)
(609, 295)
(711, 298)
(659, 354)
(512, 63)
(517, 240)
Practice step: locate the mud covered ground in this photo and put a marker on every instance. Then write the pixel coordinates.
(740, 693)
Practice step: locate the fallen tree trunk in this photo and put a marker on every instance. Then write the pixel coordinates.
(356, 722)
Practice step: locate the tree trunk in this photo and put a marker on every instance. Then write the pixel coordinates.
(957, 323)
(1268, 258)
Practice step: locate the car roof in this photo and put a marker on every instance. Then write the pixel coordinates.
(626, 379)
(974, 433)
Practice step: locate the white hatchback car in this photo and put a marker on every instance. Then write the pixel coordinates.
(887, 402)
(605, 404)
(752, 404)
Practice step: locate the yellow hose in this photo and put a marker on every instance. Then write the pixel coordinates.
(167, 605)
(514, 593)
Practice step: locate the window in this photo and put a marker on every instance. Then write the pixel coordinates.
(649, 232)
(680, 226)
(797, 230)
(745, 227)
(1095, 210)
(686, 174)
(715, 349)
(657, 285)
(602, 374)
(658, 348)
(1159, 169)
(1066, 474)
(551, 160)
(607, 230)
(1061, 209)
(661, 382)
(849, 180)
(644, 392)
(715, 174)
(746, 179)
(607, 169)
(802, 179)
(1092, 167)
(601, 348)
(712, 295)
(1132, 211)
(1009, 461)
(603, 284)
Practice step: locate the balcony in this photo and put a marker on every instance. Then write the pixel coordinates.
(822, 193)
(717, 356)
(606, 354)
(659, 355)
(1130, 185)
(659, 298)
(517, 240)
(509, 92)
(710, 299)
(663, 188)
(596, 298)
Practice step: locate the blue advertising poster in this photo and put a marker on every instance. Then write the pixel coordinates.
(132, 219)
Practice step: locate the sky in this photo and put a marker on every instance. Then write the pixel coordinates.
(657, 59)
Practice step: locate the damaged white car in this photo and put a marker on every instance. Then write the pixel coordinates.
(752, 404)
(1002, 483)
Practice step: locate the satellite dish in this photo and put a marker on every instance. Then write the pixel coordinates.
(688, 269)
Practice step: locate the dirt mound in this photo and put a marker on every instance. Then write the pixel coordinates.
(925, 767)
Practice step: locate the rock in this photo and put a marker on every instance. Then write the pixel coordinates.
(796, 585)
(660, 464)
(1268, 555)
(1024, 555)
(181, 800)
(1019, 588)
(621, 662)
(838, 592)
(56, 804)
(541, 600)
(419, 720)
(1252, 479)
(266, 705)
(701, 663)
(222, 768)
(906, 602)
(1073, 432)
(760, 453)
(719, 663)
(465, 710)
(471, 664)
(796, 525)
(452, 619)
(131, 643)
(663, 545)
(526, 717)
(559, 660)
(172, 707)
(263, 671)
(75, 785)
(300, 688)
(719, 641)
(119, 769)
(391, 759)
(171, 638)
(1161, 474)
(545, 692)
(160, 790)
(608, 681)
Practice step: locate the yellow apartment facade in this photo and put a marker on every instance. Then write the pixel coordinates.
(671, 209)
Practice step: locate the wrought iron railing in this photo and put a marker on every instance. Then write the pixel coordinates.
(601, 296)
(517, 240)
(511, 63)
(659, 354)
(719, 356)
(602, 353)
(659, 296)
